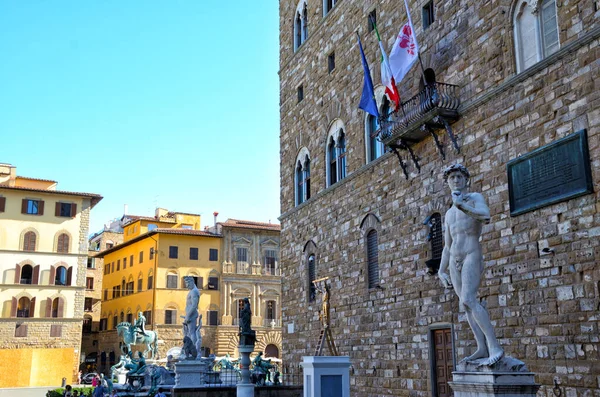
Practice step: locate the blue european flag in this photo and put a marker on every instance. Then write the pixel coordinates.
(367, 100)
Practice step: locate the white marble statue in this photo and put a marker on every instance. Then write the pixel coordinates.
(199, 337)
(190, 319)
(463, 258)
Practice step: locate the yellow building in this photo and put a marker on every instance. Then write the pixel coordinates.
(43, 256)
(145, 274)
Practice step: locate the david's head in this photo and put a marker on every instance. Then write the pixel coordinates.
(457, 176)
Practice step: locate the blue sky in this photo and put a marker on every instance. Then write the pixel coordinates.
(148, 103)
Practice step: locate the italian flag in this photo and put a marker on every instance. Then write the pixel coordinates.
(387, 78)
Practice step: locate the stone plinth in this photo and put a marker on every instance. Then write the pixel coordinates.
(507, 378)
(326, 376)
(192, 373)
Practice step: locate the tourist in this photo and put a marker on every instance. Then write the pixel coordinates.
(95, 381)
(79, 377)
(67, 392)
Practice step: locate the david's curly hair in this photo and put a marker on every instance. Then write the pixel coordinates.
(454, 168)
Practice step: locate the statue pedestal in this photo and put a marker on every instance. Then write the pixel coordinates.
(326, 376)
(192, 373)
(244, 387)
(507, 378)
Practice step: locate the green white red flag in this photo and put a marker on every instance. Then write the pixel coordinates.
(387, 78)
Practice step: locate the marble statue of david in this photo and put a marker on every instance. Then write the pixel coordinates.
(462, 257)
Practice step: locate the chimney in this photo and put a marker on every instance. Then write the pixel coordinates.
(215, 214)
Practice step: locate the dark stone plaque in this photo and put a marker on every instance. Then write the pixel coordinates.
(551, 174)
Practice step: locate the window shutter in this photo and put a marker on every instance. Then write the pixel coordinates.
(69, 275)
(13, 307)
(61, 307)
(2, 204)
(18, 274)
(52, 275)
(73, 210)
(40, 207)
(49, 307)
(200, 282)
(32, 307)
(36, 275)
(57, 209)
(373, 259)
(24, 206)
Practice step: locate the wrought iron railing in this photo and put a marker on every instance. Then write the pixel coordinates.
(435, 95)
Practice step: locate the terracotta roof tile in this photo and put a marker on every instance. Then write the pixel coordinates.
(250, 224)
(95, 197)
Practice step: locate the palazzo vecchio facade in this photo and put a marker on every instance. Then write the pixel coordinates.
(510, 89)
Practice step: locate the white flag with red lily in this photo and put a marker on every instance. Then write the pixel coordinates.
(405, 50)
(387, 79)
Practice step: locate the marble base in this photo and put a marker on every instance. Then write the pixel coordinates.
(192, 373)
(326, 376)
(507, 378)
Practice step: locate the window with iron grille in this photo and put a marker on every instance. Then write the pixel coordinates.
(21, 331)
(193, 254)
(373, 259)
(436, 236)
(213, 254)
(173, 252)
(170, 316)
(56, 330)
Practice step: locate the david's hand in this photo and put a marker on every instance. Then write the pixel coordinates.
(445, 279)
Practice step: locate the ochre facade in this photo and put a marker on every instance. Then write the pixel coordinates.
(541, 279)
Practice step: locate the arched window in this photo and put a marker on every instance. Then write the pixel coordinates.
(29, 241)
(25, 307)
(172, 279)
(271, 351)
(61, 276)
(535, 31)
(373, 259)
(300, 24)
(336, 153)
(122, 317)
(375, 148)
(302, 177)
(312, 271)
(55, 307)
(26, 274)
(62, 245)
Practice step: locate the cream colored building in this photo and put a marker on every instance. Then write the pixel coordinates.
(43, 256)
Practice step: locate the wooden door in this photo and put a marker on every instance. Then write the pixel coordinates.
(442, 361)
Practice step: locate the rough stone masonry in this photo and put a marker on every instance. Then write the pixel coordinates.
(544, 307)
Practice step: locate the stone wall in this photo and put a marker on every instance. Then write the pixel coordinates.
(544, 308)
